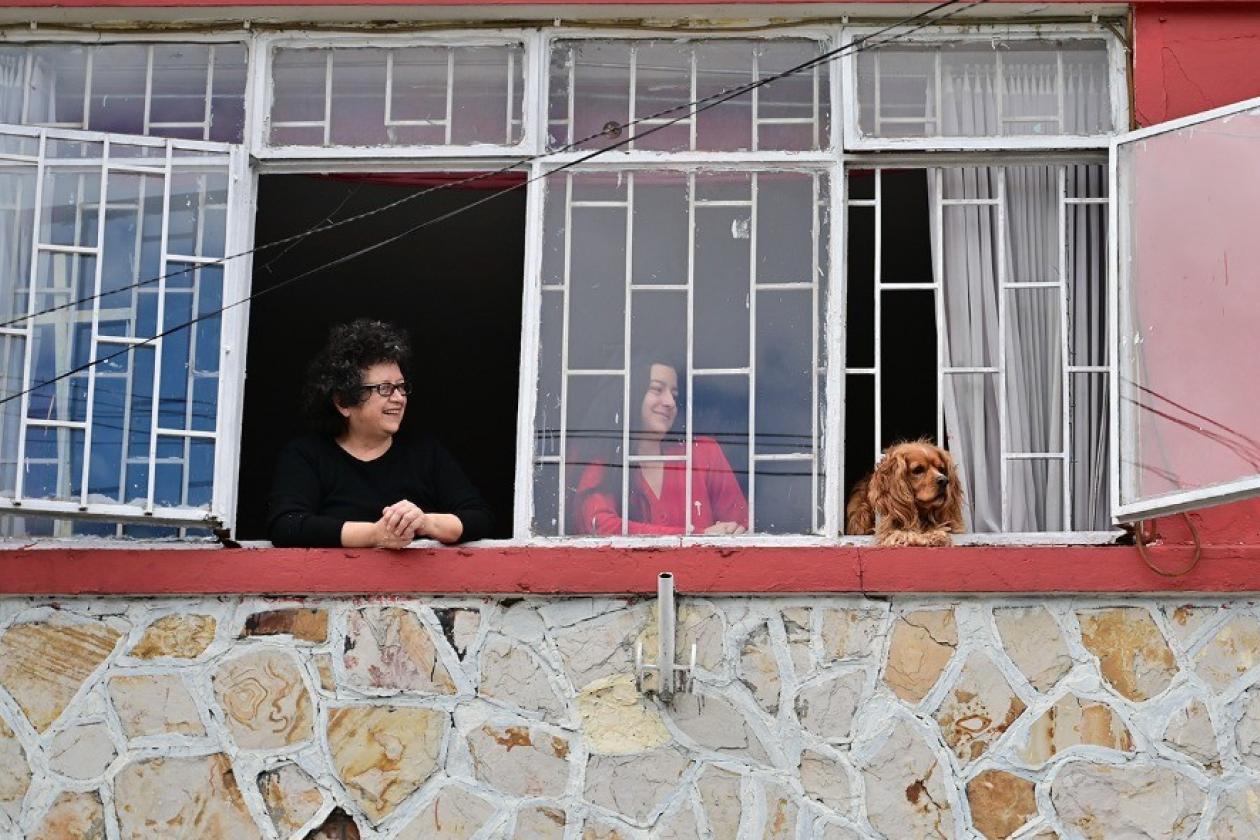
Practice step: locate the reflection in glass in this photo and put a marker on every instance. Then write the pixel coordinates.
(401, 96)
(985, 88)
(646, 352)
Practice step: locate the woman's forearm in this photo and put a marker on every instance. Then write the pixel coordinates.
(359, 535)
(443, 527)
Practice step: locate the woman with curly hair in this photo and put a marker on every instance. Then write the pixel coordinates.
(354, 484)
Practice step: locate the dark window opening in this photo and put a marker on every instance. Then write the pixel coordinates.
(454, 286)
(907, 352)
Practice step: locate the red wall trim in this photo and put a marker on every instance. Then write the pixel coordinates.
(606, 570)
(121, 4)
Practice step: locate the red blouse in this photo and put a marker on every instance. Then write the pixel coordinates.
(715, 495)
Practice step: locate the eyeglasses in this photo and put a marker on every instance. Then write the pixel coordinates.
(387, 389)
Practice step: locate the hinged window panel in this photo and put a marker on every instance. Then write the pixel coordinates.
(111, 335)
(1188, 263)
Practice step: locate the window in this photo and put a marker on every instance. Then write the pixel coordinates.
(120, 413)
(182, 90)
(725, 318)
(599, 85)
(421, 95)
(994, 87)
(1186, 259)
(976, 315)
(720, 276)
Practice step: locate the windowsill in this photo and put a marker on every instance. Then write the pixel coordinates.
(503, 567)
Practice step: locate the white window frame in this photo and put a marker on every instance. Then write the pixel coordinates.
(1117, 91)
(1123, 350)
(236, 281)
(845, 150)
(260, 93)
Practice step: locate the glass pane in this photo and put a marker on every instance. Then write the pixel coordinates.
(479, 98)
(198, 213)
(393, 97)
(661, 226)
(722, 66)
(1189, 295)
(970, 259)
(989, 88)
(1034, 495)
(594, 454)
(723, 238)
(119, 76)
(298, 82)
(180, 76)
(1088, 463)
(12, 360)
(227, 107)
(786, 217)
(12, 83)
(70, 202)
(53, 465)
(1032, 223)
(58, 81)
(688, 350)
(357, 102)
(785, 372)
(784, 499)
(592, 80)
(17, 203)
(1087, 284)
(1034, 371)
(132, 250)
(972, 424)
(663, 83)
(597, 283)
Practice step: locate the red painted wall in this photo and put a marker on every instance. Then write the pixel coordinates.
(1190, 57)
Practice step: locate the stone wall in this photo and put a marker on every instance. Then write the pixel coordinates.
(429, 719)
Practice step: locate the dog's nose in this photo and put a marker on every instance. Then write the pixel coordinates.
(942, 480)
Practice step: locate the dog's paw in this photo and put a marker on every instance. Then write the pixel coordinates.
(902, 539)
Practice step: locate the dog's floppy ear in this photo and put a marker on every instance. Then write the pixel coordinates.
(890, 494)
(952, 513)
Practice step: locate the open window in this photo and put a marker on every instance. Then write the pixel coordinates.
(1187, 260)
(114, 348)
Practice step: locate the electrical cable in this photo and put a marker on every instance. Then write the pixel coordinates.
(856, 45)
(720, 96)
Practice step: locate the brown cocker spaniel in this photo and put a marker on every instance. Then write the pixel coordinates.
(912, 498)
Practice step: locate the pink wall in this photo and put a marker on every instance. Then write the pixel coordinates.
(1190, 57)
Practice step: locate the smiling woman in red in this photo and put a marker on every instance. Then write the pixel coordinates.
(359, 484)
(658, 488)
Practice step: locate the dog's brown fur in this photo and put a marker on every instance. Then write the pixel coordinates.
(912, 498)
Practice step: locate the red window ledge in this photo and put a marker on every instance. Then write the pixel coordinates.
(618, 570)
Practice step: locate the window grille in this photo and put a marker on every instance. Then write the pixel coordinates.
(599, 85)
(720, 274)
(985, 88)
(1017, 291)
(397, 96)
(87, 219)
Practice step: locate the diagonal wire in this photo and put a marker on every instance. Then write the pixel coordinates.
(857, 45)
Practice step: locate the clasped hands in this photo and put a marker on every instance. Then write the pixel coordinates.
(400, 523)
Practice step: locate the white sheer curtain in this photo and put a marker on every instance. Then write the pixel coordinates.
(976, 249)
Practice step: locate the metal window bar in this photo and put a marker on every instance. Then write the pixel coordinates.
(101, 214)
(157, 344)
(1068, 430)
(752, 333)
(627, 280)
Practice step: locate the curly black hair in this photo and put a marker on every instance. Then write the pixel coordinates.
(337, 372)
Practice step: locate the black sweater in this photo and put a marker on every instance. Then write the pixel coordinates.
(319, 486)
